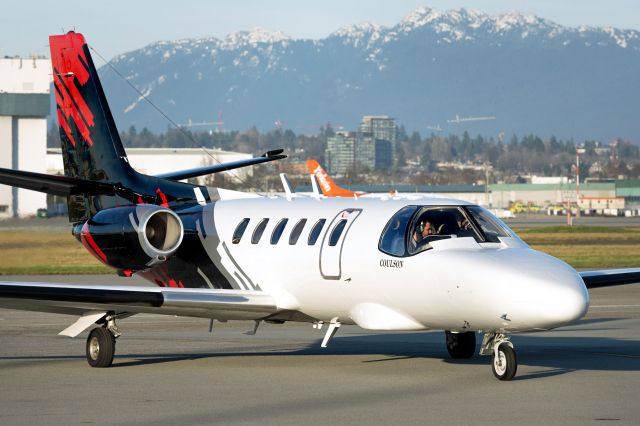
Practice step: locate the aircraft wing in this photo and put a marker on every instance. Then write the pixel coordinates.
(78, 299)
(608, 277)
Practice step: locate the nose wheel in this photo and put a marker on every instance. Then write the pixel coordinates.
(504, 361)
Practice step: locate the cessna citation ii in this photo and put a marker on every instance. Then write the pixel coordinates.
(433, 264)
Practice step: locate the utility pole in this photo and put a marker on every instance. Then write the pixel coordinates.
(578, 152)
(486, 184)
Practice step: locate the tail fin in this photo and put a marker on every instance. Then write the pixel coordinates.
(328, 187)
(91, 146)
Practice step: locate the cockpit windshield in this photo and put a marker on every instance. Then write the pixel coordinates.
(413, 228)
(491, 226)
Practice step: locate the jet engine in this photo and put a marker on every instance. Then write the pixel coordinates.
(132, 238)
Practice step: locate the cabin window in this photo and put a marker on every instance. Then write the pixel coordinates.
(257, 233)
(315, 231)
(490, 225)
(277, 231)
(297, 230)
(237, 234)
(337, 232)
(393, 238)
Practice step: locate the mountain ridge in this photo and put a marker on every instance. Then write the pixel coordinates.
(534, 75)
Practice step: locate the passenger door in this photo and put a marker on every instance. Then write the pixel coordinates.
(331, 249)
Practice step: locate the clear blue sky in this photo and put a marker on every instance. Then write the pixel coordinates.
(117, 26)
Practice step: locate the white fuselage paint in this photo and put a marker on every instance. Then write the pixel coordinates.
(458, 285)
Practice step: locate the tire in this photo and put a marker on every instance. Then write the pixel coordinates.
(101, 346)
(461, 345)
(505, 363)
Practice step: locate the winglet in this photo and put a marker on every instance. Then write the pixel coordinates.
(314, 187)
(286, 184)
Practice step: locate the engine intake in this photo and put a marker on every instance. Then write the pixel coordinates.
(132, 238)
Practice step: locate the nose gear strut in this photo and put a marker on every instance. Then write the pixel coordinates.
(505, 362)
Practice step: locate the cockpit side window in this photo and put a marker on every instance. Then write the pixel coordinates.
(437, 223)
(394, 237)
(490, 225)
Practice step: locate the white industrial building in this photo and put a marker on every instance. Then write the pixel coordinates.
(24, 106)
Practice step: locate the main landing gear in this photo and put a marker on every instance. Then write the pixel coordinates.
(101, 344)
(504, 362)
(461, 345)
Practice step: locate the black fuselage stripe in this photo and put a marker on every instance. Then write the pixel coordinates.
(82, 295)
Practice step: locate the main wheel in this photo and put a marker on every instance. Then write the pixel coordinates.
(505, 363)
(461, 345)
(101, 346)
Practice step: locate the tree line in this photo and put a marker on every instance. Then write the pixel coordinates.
(517, 156)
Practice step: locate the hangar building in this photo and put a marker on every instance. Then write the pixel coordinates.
(24, 106)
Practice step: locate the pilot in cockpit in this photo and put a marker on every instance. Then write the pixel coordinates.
(423, 230)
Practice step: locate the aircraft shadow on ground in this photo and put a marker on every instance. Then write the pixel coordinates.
(555, 353)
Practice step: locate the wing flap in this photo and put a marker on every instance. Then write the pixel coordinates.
(77, 299)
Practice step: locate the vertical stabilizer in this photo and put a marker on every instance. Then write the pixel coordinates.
(91, 146)
(328, 187)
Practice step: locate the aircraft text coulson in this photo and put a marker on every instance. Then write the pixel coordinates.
(391, 263)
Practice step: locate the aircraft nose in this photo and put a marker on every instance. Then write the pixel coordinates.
(555, 294)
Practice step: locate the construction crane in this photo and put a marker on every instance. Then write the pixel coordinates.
(458, 119)
(218, 123)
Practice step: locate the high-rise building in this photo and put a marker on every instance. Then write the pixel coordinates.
(24, 106)
(381, 132)
(340, 153)
(365, 153)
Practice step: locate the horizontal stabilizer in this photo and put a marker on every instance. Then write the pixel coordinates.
(207, 170)
(55, 185)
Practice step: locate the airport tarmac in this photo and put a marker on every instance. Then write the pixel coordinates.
(170, 370)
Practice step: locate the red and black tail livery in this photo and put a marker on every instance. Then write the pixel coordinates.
(91, 146)
(90, 141)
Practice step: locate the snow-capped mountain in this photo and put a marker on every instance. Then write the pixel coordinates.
(533, 75)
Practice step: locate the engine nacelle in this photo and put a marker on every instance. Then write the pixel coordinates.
(132, 238)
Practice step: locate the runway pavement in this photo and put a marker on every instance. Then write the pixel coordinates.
(172, 371)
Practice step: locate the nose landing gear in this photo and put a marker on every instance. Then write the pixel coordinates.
(505, 362)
